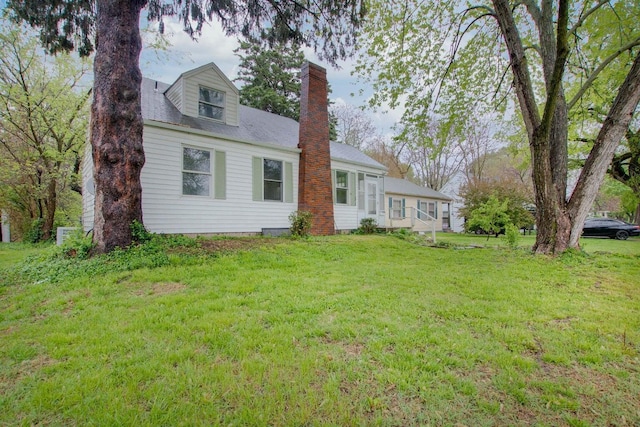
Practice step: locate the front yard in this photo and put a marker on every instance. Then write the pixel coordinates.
(344, 330)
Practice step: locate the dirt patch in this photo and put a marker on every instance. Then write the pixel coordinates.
(19, 372)
(164, 288)
(167, 288)
(236, 244)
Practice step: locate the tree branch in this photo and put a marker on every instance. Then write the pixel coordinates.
(562, 52)
(586, 14)
(587, 84)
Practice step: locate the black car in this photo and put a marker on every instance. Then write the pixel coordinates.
(608, 227)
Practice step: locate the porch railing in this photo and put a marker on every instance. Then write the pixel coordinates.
(418, 215)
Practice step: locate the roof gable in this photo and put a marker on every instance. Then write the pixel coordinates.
(185, 92)
(207, 71)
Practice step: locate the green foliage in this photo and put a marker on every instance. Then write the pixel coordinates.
(454, 59)
(71, 25)
(512, 235)
(43, 115)
(71, 260)
(368, 226)
(512, 192)
(271, 76)
(301, 222)
(77, 244)
(34, 234)
(139, 233)
(491, 216)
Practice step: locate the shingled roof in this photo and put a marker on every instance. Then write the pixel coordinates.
(256, 126)
(402, 186)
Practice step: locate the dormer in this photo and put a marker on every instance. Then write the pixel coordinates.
(205, 92)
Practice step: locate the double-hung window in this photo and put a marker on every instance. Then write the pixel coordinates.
(433, 209)
(196, 172)
(396, 206)
(342, 187)
(273, 180)
(211, 103)
(423, 207)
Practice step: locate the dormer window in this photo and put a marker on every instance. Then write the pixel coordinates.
(211, 103)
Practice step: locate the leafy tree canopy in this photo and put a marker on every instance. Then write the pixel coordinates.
(455, 59)
(43, 126)
(325, 25)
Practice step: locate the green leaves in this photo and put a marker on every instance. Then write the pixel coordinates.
(43, 120)
(270, 76)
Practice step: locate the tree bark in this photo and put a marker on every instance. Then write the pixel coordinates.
(51, 203)
(116, 123)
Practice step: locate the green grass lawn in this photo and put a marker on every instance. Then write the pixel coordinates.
(12, 253)
(343, 330)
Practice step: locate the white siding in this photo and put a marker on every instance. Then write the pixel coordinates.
(346, 216)
(211, 79)
(166, 210)
(174, 94)
(88, 191)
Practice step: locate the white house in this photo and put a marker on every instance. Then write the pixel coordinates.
(215, 166)
(416, 207)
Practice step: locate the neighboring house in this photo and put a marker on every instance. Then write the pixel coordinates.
(412, 206)
(452, 190)
(215, 166)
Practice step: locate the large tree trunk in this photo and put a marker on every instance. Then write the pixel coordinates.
(116, 123)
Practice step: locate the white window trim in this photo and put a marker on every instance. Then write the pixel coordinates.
(336, 188)
(281, 181)
(223, 106)
(209, 174)
(433, 214)
(395, 209)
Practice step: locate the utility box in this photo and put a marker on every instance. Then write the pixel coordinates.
(63, 233)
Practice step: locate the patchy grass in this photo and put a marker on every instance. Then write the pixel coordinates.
(345, 330)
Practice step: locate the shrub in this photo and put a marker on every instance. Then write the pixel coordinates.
(512, 236)
(139, 234)
(368, 226)
(77, 245)
(491, 216)
(301, 222)
(34, 233)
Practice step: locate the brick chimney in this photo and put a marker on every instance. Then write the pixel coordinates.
(315, 193)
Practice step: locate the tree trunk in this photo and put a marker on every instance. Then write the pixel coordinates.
(636, 217)
(116, 123)
(609, 136)
(51, 203)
